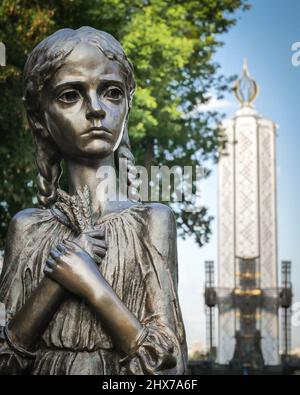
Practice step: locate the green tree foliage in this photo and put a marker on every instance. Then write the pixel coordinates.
(171, 43)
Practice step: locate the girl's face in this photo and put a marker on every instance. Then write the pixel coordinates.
(85, 104)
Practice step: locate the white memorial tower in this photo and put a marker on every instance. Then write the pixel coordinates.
(247, 245)
(248, 295)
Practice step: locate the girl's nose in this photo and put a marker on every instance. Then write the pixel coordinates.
(95, 109)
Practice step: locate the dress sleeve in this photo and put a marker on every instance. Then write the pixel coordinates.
(159, 353)
(12, 363)
(162, 349)
(12, 295)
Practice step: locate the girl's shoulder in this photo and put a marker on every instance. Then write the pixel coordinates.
(22, 230)
(160, 223)
(162, 230)
(160, 217)
(23, 220)
(156, 214)
(155, 222)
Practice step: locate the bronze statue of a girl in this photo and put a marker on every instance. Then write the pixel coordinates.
(89, 282)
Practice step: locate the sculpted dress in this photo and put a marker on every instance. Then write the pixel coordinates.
(140, 266)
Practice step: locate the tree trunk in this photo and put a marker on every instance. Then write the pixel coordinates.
(148, 156)
(148, 159)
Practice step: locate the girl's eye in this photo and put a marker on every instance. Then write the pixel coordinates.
(114, 94)
(69, 97)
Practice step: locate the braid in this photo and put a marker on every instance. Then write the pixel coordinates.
(50, 171)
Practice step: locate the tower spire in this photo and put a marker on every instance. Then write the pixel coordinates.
(246, 88)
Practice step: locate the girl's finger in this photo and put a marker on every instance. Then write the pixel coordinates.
(48, 270)
(55, 254)
(61, 247)
(72, 245)
(98, 243)
(51, 263)
(96, 234)
(99, 251)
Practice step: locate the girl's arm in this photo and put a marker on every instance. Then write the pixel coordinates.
(24, 330)
(32, 319)
(77, 272)
(29, 323)
(72, 267)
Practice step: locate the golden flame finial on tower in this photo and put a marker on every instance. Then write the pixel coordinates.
(246, 89)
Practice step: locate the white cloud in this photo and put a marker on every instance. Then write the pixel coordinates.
(217, 104)
(214, 104)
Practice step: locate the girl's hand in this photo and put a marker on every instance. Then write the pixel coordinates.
(73, 268)
(93, 242)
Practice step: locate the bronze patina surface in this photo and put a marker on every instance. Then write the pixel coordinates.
(89, 282)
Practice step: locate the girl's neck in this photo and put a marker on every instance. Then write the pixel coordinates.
(97, 175)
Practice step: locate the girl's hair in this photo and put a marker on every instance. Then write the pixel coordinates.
(42, 63)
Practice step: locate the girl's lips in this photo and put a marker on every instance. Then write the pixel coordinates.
(99, 129)
(101, 132)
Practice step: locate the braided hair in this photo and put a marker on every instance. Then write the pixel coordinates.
(42, 63)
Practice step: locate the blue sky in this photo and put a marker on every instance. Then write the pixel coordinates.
(264, 35)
